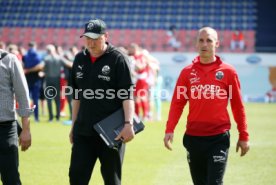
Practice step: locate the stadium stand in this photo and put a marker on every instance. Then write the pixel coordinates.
(143, 22)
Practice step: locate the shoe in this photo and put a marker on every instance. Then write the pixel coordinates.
(63, 114)
(67, 122)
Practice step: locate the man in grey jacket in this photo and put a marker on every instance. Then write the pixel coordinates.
(12, 84)
(52, 64)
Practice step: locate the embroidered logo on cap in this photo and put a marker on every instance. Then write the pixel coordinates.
(90, 26)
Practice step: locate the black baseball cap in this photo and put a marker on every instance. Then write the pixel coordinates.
(94, 29)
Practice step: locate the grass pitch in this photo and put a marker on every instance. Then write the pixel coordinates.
(147, 162)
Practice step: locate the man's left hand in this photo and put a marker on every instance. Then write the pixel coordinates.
(127, 134)
(244, 145)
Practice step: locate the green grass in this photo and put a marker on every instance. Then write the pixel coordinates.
(47, 161)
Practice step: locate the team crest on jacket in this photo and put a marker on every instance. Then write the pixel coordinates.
(106, 70)
(219, 75)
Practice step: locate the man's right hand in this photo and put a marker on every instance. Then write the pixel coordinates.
(168, 140)
(25, 139)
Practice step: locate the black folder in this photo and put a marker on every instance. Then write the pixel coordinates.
(110, 127)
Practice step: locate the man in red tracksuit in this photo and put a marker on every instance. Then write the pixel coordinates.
(208, 84)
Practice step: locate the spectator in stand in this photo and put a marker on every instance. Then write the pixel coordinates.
(237, 41)
(172, 38)
(32, 67)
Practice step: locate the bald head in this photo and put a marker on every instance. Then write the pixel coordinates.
(210, 31)
(206, 44)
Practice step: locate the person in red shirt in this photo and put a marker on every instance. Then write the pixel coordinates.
(208, 84)
(141, 93)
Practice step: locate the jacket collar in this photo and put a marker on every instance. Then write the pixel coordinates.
(207, 67)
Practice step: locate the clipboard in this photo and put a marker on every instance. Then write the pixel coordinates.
(110, 127)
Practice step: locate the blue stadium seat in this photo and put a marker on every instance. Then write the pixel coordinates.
(130, 15)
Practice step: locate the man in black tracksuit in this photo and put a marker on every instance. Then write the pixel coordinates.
(101, 82)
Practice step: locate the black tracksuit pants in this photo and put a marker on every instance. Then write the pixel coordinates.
(207, 157)
(9, 153)
(85, 151)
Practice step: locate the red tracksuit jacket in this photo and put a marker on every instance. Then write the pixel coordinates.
(208, 88)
